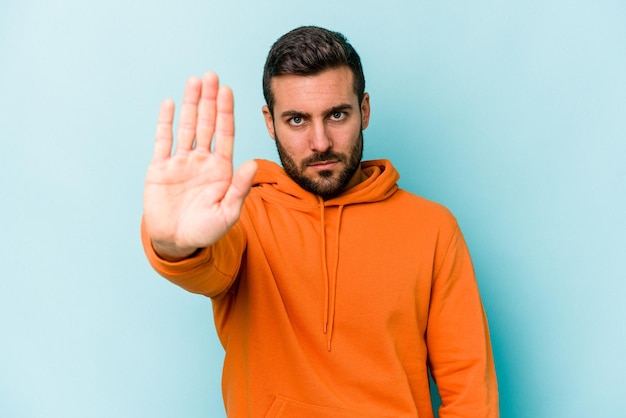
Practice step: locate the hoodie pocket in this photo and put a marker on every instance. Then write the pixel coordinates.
(287, 408)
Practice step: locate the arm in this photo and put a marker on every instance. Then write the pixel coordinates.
(210, 271)
(458, 339)
(191, 197)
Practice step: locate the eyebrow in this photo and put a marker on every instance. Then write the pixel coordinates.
(295, 113)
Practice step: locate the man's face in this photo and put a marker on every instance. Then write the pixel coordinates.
(317, 125)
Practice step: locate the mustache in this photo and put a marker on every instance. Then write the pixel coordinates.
(322, 156)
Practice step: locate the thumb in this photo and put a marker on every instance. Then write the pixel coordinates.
(240, 186)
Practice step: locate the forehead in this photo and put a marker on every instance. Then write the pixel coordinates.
(324, 90)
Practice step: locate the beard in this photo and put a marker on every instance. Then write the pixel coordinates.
(326, 183)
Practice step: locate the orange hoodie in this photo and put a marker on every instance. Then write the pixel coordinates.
(338, 308)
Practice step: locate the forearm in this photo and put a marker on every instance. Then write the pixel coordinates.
(459, 345)
(465, 374)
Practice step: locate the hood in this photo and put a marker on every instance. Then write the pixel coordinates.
(277, 187)
(380, 183)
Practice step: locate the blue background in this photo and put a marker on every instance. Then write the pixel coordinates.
(511, 114)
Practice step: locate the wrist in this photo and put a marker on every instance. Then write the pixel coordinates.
(169, 252)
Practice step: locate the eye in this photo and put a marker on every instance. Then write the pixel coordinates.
(338, 115)
(296, 121)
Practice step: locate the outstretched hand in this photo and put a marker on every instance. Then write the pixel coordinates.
(191, 197)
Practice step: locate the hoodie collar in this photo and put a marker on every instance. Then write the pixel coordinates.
(380, 183)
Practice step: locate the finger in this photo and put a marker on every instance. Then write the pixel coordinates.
(240, 187)
(207, 109)
(225, 124)
(163, 138)
(188, 115)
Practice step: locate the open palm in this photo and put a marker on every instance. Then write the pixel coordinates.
(191, 196)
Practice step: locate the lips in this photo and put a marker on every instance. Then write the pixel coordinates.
(324, 165)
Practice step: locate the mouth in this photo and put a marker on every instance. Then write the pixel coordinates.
(324, 165)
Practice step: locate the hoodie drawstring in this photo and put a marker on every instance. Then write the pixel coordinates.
(330, 291)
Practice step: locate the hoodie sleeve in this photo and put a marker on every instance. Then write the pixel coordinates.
(459, 346)
(210, 272)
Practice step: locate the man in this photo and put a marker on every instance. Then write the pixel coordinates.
(334, 291)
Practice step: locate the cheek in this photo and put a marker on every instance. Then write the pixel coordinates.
(296, 153)
(291, 146)
(290, 141)
(346, 138)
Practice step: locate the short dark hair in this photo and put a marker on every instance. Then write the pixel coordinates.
(309, 50)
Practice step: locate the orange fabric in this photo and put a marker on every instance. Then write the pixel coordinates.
(338, 308)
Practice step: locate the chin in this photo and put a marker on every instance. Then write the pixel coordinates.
(326, 174)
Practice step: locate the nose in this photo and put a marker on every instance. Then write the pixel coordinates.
(320, 140)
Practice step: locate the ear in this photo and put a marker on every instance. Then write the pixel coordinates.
(365, 111)
(269, 122)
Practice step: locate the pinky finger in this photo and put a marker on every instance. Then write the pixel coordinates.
(164, 137)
